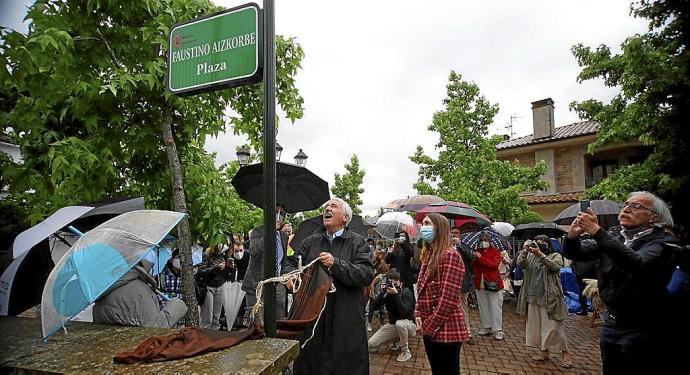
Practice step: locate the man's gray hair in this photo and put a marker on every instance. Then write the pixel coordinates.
(660, 208)
(346, 207)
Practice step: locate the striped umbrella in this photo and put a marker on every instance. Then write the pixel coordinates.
(497, 239)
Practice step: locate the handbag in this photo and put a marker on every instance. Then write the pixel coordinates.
(491, 286)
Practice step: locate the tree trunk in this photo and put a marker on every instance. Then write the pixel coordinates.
(184, 236)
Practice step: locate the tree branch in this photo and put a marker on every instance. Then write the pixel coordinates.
(110, 50)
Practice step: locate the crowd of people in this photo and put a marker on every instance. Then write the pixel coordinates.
(426, 287)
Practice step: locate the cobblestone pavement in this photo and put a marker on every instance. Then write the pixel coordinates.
(509, 356)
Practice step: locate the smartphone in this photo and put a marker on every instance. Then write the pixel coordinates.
(584, 205)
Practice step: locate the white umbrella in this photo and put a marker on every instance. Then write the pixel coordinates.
(232, 301)
(393, 222)
(503, 227)
(32, 236)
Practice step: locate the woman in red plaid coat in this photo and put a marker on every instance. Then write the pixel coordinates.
(438, 313)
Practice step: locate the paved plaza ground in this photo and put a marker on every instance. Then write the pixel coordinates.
(510, 356)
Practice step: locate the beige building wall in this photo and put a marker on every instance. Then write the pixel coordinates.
(570, 169)
(549, 211)
(547, 155)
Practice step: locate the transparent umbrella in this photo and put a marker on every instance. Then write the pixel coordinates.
(98, 259)
(394, 222)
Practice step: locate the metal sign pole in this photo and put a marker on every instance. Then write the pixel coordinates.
(269, 292)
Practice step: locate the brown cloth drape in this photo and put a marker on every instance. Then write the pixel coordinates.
(188, 342)
(308, 302)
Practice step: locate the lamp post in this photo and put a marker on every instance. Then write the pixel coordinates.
(301, 158)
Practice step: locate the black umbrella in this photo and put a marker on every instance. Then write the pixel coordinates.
(315, 224)
(607, 212)
(529, 230)
(297, 188)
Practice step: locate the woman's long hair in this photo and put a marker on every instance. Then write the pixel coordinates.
(434, 250)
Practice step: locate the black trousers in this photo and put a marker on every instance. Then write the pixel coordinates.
(444, 357)
(634, 351)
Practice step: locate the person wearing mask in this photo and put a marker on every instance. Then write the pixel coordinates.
(438, 313)
(215, 269)
(632, 276)
(339, 342)
(399, 302)
(240, 257)
(399, 256)
(467, 256)
(255, 269)
(487, 281)
(542, 299)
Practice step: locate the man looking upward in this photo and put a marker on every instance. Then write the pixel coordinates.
(339, 345)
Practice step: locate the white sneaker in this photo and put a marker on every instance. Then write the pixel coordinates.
(498, 335)
(404, 355)
(394, 346)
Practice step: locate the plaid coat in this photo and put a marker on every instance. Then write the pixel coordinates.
(438, 301)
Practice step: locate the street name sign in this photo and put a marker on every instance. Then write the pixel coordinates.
(217, 51)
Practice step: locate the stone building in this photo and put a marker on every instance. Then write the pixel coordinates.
(570, 168)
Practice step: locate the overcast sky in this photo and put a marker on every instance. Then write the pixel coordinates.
(375, 72)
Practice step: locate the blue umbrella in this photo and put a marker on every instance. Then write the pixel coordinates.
(163, 253)
(497, 239)
(97, 260)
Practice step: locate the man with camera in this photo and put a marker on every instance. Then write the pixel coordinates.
(399, 301)
(632, 276)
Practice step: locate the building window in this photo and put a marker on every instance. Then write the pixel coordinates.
(601, 169)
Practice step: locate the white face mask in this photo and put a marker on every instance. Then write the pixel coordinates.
(484, 244)
(176, 263)
(238, 255)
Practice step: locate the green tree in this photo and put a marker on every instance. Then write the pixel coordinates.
(84, 97)
(466, 168)
(653, 75)
(348, 187)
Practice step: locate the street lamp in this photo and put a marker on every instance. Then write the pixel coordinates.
(279, 149)
(243, 155)
(301, 158)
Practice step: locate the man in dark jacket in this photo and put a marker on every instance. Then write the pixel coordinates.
(339, 344)
(632, 276)
(399, 301)
(255, 269)
(399, 256)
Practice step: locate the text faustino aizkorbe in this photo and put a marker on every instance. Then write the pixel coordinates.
(218, 46)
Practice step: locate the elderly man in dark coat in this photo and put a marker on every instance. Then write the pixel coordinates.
(632, 276)
(339, 345)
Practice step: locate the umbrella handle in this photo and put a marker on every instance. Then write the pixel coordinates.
(75, 231)
(165, 298)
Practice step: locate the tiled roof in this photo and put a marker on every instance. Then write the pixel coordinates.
(562, 132)
(553, 198)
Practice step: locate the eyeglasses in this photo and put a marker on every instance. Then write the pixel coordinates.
(637, 206)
